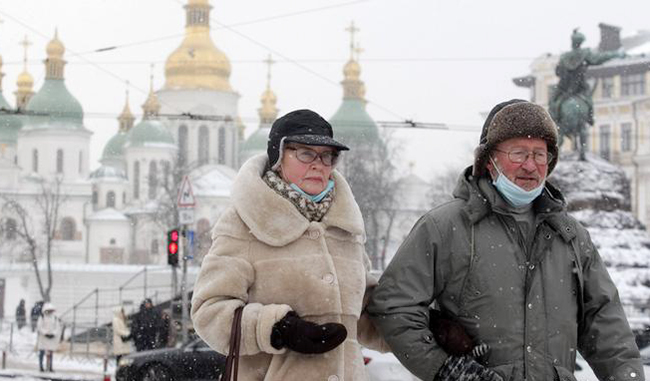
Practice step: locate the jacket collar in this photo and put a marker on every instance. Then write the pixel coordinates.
(274, 220)
(482, 198)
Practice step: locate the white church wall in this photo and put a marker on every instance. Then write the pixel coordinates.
(72, 145)
(112, 237)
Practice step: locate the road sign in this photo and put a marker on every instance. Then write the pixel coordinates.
(185, 195)
(186, 216)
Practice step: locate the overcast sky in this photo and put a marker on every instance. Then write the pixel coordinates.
(426, 60)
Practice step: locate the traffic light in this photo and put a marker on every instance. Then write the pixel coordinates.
(173, 237)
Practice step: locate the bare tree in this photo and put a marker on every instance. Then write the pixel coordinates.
(442, 186)
(37, 231)
(371, 173)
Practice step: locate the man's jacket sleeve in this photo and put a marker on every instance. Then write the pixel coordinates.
(605, 340)
(399, 304)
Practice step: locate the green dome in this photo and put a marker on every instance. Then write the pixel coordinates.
(149, 132)
(352, 125)
(10, 123)
(257, 141)
(114, 149)
(61, 107)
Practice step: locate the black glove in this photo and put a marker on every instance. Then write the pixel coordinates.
(306, 337)
(125, 337)
(49, 335)
(465, 368)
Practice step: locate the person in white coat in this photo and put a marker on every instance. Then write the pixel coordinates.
(48, 327)
(121, 334)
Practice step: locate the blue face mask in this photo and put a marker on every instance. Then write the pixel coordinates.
(515, 195)
(317, 197)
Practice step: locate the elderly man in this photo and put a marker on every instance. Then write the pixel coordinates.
(506, 263)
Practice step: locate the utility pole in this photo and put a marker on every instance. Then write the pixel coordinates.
(186, 204)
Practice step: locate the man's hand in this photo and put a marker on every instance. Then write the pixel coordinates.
(465, 368)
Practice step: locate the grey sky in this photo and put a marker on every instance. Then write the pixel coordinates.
(431, 61)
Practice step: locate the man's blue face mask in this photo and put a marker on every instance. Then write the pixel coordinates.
(513, 193)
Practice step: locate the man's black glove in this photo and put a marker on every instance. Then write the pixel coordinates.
(49, 335)
(306, 337)
(125, 337)
(465, 368)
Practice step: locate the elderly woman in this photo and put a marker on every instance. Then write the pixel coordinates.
(290, 249)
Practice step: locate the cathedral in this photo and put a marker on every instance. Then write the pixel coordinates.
(105, 224)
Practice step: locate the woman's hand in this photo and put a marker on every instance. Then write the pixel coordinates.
(306, 337)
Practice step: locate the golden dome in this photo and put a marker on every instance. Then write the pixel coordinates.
(197, 63)
(25, 81)
(352, 70)
(268, 112)
(55, 47)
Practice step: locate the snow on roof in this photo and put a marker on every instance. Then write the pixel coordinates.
(108, 214)
(213, 181)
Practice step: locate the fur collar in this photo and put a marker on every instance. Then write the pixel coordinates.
(274, 220)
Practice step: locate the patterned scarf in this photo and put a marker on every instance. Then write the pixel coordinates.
(313, 211)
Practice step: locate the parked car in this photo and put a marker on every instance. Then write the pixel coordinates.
(190, 362)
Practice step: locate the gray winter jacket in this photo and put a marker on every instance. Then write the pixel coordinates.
(526, 297)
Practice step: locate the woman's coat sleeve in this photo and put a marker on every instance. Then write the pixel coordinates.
(222, 287)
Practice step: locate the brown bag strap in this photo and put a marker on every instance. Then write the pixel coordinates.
(232, 360)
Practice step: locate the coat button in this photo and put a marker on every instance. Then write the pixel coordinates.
(529, 349)
(328, 278)
(333, 378)
(314, 234)
(530, 306)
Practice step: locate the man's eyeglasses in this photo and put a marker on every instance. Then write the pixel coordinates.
(520, 156)
(307, 156)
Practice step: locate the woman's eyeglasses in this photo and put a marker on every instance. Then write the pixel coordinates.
(307, 156)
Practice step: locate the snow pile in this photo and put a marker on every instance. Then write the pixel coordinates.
(598, 195)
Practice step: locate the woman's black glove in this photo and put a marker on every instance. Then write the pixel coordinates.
(465, 368)
(49, 335)
(306, 337)
(125, 337)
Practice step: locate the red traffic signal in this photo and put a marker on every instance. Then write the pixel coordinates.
(172, 247)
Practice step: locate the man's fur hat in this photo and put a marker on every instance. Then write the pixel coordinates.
(515, 118)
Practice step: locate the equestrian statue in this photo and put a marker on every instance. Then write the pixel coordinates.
(571, 104)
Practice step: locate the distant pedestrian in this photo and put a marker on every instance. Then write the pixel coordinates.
(49, 333)
(121, 334)
(165, 337)
(145, 326)
(35, 314)
(21, 319)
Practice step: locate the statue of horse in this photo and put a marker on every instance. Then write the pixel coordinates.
(573, 120)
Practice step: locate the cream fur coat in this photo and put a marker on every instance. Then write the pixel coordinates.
(267, 256)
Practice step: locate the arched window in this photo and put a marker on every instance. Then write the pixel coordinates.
(204, 145)
(222, 146)
(10, 229)
(95, 197)
(81, 161)
(153, 179)
(154, 247)
(136, 180)
(35, 160)
(68, 229)
(110, 199)
(182, 145)
(123, 197)
(59, 161)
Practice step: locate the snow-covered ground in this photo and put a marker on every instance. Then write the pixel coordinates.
(19, 347)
